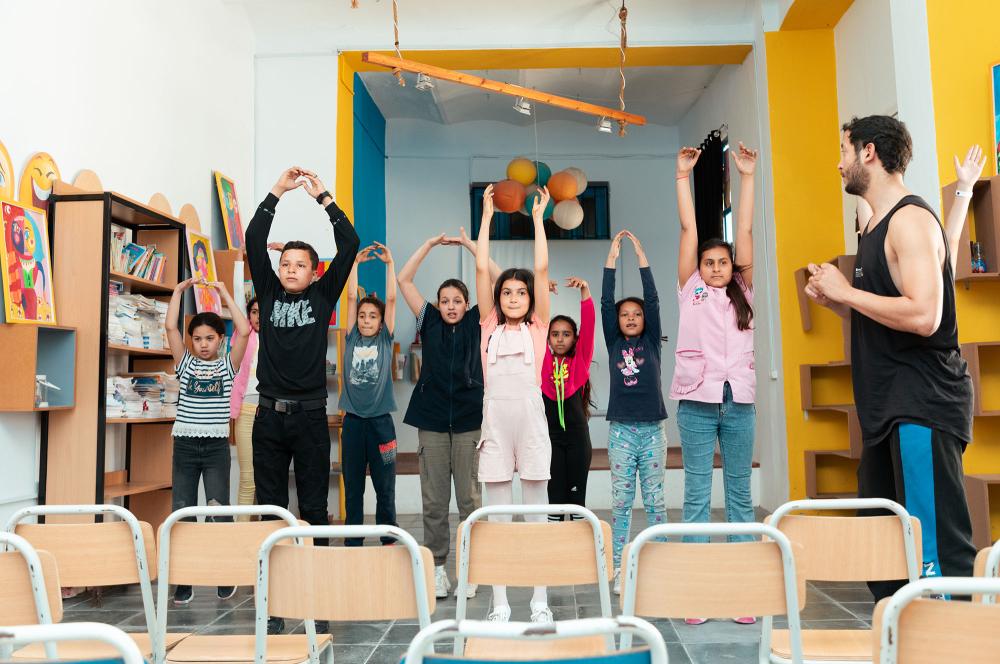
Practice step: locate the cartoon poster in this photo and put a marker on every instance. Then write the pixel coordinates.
(37, 180)
(27, 269)
(7, 190)
(230, 210)
(324, 265)
(199, 249)
(996, 114)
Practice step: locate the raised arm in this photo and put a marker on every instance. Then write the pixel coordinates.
(484, 285)
(745, 161)
(915, 238)
(174, 337)
(967, 172)
(385, 256)
(363, 256)
(609, 316)
(542, 301)
(331, 284)
(584, 354)
(414, 300)
(650, 297)
(264, 279)
(687, 254)
(464, 240)
(241, 326)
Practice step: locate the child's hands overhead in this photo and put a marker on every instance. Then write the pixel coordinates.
(287, 181)
(275, 246)
(686, 159)
(553, 286)
(968, 171)
(382, 253)
(616, 247)
(314, 186)
(365, 254)
(488, 203)
(577, 282)
(186, 284)
(541, 202)
(745, 159)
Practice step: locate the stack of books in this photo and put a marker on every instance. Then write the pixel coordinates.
(127, 257)
(137, 321)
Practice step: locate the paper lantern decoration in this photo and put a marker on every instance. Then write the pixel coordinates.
(581, 179)
(543, 173)
(529, 202)
(6, 175)
(562, 186)
(568, 214)
(529, 190)
(37, 180)
(508, 195)
(522, 170)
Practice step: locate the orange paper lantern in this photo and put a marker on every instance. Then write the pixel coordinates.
(508, 195)
(562, 186)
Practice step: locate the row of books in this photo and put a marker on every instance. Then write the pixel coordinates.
(135, 320)
(127, 257)
(146, 395)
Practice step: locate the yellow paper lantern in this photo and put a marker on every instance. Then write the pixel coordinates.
(522, 170)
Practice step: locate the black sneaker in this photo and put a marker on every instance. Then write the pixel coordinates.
(226, 592)
(183, 595)
(275, 625)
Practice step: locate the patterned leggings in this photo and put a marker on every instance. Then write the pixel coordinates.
(635, 448)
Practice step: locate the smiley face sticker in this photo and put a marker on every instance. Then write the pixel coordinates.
(6, 175)
(37, 180)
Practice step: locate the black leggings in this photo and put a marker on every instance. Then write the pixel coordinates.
(571, 453)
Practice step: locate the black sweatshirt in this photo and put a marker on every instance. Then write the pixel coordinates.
(293, 326)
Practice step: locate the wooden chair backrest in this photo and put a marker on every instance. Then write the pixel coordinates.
(850, 548)
(217, 554)
(346, 583)
(932, 631)
(93, 554)
(534, 554)
(17, 602)
(678, 580)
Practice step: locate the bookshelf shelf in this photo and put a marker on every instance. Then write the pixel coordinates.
(141, 285)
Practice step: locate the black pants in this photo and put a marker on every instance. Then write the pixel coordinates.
(278, 438)
(921, 469)
(571, 454)
(197, 459)
(369, 443)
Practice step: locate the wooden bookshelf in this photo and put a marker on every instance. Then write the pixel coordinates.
(984, 227)
(76, 442)
(41, 350)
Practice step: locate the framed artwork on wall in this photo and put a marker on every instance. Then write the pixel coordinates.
(995, 76)
(230, 210)
(199, 248)
(27, 268)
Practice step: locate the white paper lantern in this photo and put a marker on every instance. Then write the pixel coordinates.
(568, 214)
(581, 179)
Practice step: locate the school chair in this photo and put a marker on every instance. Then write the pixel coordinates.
(29, 588)
(550, 553)
(513, 633)
(96, 555)
(714, 580)
(113, 639)
(844, 548)
(910, 628)
(375, 583)
(213, 553)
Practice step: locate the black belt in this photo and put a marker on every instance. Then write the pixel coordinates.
(286, 406)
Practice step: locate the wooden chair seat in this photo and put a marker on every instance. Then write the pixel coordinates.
(826, 645)
(85, 650)
(286, 648)
(505, 649)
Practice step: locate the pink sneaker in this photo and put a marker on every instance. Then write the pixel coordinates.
(695, 621)
(747, 620)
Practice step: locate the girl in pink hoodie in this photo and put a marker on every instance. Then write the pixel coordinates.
(243, 407)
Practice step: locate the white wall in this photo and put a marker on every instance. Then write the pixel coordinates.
(151, 96)
(732, 99)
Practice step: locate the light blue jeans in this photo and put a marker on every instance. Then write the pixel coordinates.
(635, 448)
(732, 425)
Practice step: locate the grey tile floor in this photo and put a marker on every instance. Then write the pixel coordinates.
(828, 606)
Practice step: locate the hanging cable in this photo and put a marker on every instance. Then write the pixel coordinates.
(396, 71)
(623, 44)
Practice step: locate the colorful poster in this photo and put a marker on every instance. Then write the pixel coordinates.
(324, 265)
(7, 190)
(202, 258)
(37, 179)
(27, 268)
(230, 210)
(996, 114)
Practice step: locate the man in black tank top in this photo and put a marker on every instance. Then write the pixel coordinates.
(912, 389)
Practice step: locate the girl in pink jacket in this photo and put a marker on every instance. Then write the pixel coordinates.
(243, 407)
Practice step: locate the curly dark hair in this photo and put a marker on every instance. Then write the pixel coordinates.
(891, 139)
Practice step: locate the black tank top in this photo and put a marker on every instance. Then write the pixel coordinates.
(900, 376)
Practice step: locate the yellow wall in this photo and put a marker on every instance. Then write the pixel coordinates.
(808, 221)
(963, 46)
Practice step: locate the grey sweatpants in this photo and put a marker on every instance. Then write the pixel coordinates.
(445, 457)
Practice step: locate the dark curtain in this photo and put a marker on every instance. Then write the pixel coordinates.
(709, 187)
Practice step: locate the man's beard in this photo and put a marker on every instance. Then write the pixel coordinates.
(857, 180)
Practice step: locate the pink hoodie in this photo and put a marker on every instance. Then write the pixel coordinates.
(242, 377)
(579, 364)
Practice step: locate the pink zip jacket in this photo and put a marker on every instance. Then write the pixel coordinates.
(579, 364)
(242, 377)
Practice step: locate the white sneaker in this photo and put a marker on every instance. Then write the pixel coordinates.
(470, 590)
(441, 583)
(617, 588)
(499, 614)
(541, 613)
